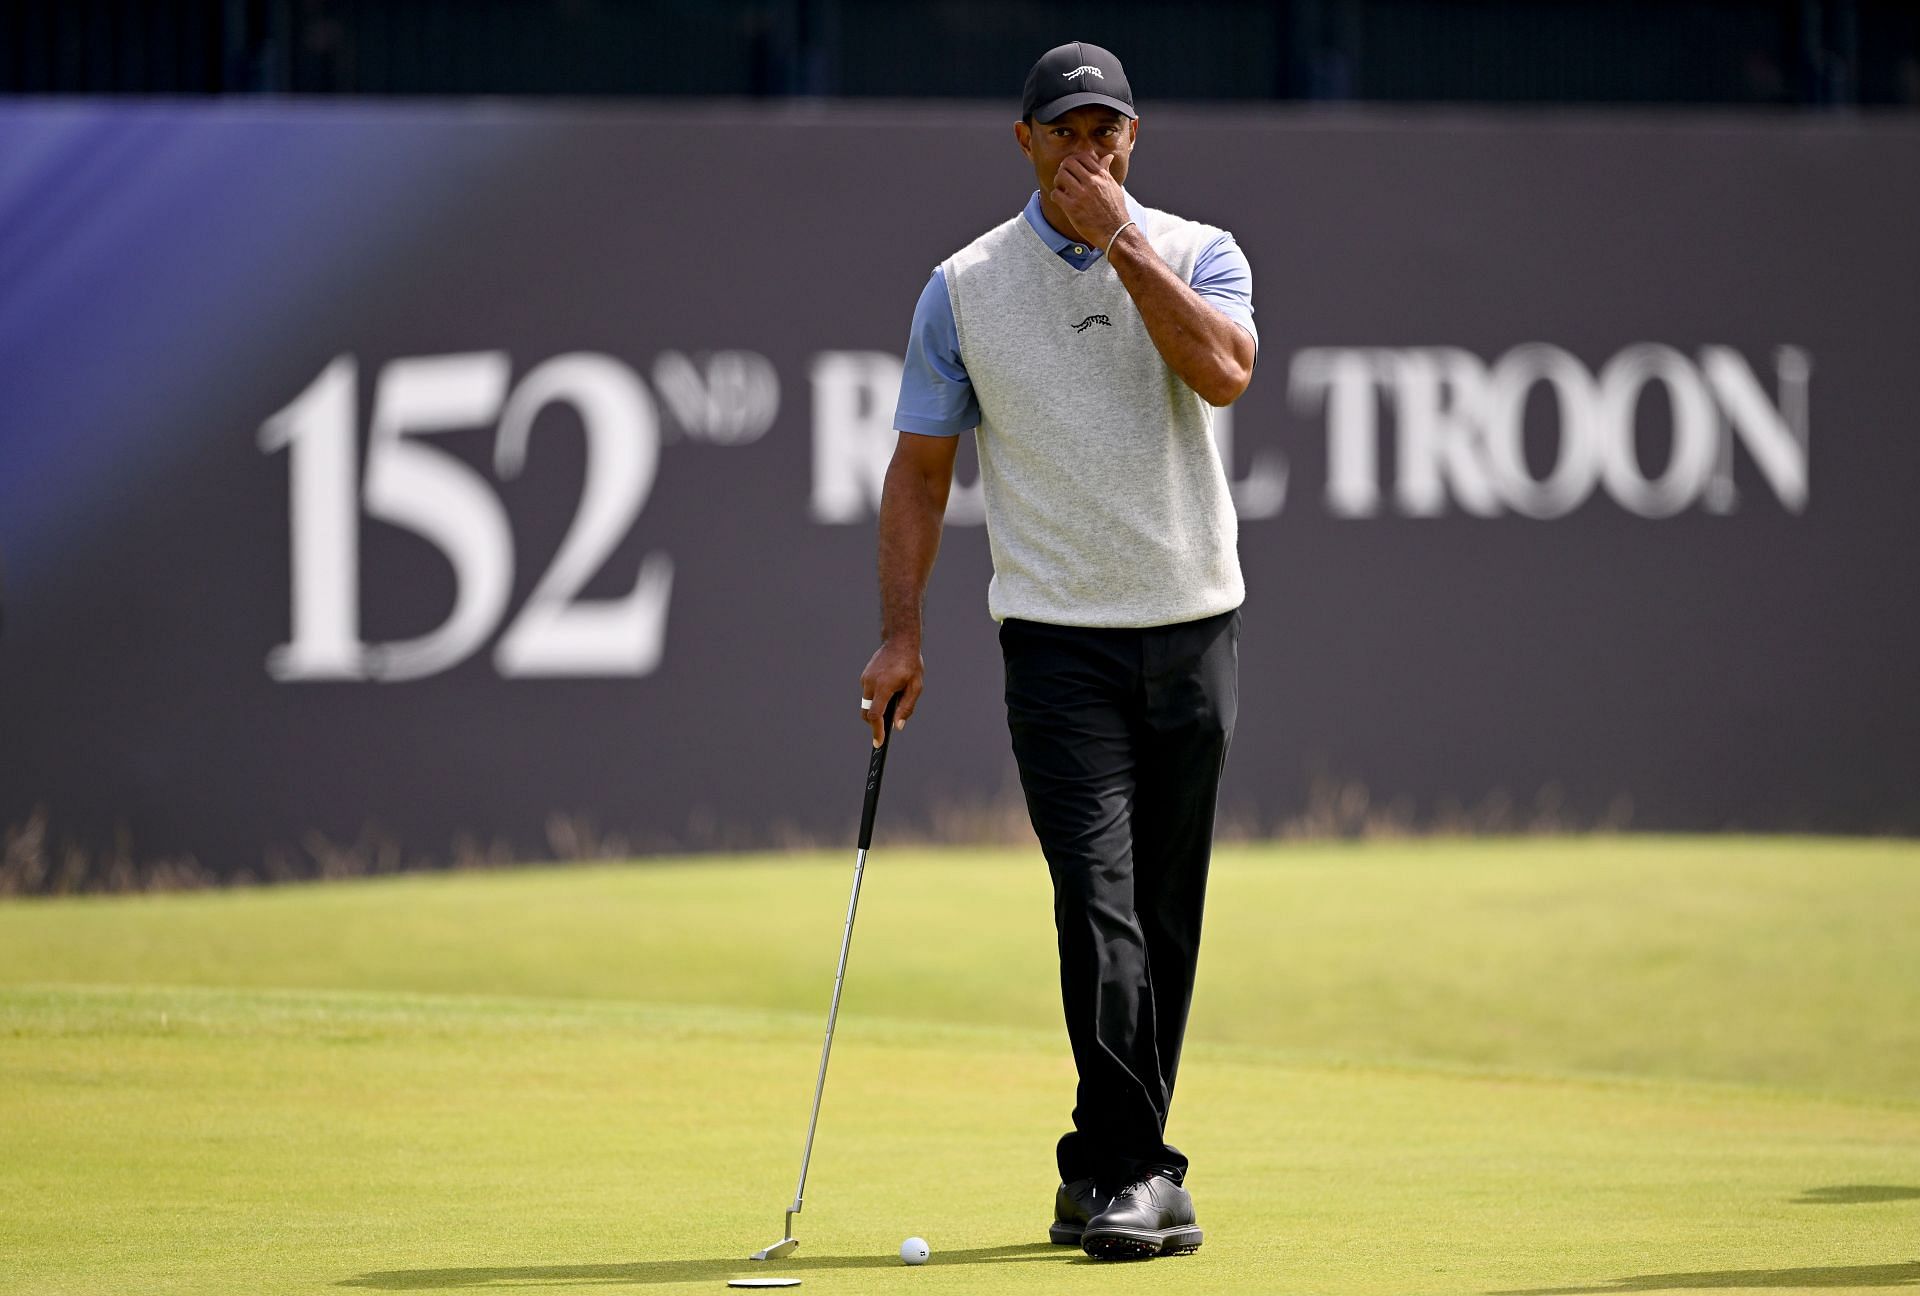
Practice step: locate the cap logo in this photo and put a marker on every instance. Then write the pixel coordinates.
(1083, 69)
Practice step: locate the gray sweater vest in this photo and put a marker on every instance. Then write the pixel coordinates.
(1106, 501)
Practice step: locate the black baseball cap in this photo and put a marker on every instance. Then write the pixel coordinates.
(1072, 76)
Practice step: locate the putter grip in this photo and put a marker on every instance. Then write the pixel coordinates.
(876, 766)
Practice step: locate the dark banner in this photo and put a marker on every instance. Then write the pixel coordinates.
(508, 476)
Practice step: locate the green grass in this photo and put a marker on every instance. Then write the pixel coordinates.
(1571, 1066)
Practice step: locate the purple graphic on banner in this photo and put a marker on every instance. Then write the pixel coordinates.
(151, 254)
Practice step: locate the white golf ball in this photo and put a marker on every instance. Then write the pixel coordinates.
(914, 1251)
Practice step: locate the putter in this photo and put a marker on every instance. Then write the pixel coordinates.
(876, 766)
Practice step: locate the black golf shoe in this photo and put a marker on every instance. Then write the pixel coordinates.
(1150, 1217)
(1075, 1204)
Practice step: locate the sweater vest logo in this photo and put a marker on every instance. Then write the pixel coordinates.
(1090, 321)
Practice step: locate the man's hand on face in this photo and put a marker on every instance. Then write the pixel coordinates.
(1084, 189)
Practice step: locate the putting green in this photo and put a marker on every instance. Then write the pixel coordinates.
(1514, 1067)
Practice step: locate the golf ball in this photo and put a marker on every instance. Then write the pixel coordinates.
(914, 1251)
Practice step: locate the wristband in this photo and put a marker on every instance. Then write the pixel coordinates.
(1116, 236)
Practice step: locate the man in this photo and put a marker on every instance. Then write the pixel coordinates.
(1086, 339)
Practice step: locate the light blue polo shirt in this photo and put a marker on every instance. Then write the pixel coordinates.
(936, 396)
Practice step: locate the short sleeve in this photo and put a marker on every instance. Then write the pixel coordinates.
(936, 396)
(1224, 281)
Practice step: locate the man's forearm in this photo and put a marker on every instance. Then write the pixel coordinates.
(913, 503)
(911, 511)
(1211, 353)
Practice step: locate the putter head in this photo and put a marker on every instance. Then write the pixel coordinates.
(779, 1250)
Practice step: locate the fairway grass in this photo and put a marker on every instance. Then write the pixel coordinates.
(1513, 1067)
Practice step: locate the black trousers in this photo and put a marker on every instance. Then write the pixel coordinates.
(1121, 736)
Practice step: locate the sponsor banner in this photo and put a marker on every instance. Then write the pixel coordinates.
(451, 479)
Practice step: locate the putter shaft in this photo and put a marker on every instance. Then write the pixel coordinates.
(826, 1045)
(876, 766)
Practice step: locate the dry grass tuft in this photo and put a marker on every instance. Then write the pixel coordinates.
(33, 863)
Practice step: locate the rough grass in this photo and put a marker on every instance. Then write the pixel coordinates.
(1577, 1066)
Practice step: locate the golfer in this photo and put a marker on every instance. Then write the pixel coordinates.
(1085, 342)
